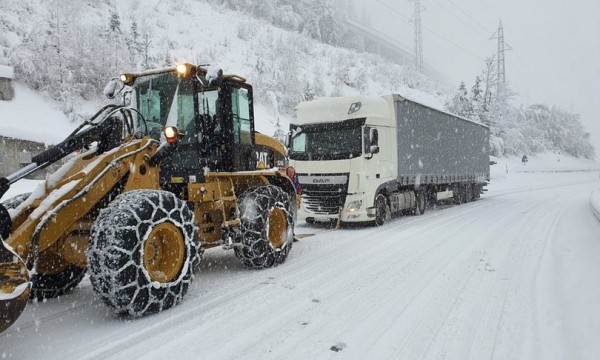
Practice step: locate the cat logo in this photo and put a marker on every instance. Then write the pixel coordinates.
(262, 159)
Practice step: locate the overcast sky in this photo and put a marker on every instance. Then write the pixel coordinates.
(556, 45)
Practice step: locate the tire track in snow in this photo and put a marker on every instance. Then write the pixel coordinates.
(300, 270)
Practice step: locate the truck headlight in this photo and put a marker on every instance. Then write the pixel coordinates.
(355, 205)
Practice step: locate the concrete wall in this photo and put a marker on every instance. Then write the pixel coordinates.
(16, 153)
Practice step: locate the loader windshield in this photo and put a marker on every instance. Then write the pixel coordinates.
(166, 98)
(327, 141)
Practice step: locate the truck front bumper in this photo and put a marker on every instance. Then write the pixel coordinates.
(354, 210)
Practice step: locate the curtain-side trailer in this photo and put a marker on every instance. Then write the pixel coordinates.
(365, 159)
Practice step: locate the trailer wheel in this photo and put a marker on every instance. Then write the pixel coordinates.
(421, 202)
(476, 191)
(458, 194)
(381, 210)
(469, 192)
(267, 227)
(144, 248)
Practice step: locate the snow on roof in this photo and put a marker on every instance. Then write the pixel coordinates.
(6, 72)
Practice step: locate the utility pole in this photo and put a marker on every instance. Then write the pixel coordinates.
(502, 48)
(418, 37)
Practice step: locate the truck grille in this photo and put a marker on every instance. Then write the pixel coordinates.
(324, 199)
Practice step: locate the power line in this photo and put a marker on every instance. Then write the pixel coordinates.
(432, 31)
(470, 17)
(477, 31)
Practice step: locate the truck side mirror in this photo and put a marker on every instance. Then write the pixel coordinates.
(373, 141)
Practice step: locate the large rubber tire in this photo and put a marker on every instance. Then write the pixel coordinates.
(468, 192)
(458, 194)
(267, 227)
(381, 210)
(143, 251)
(421, 198)
(47, 286)
(15, 201)
(476, 192)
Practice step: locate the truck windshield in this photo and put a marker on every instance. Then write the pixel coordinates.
(326, 141)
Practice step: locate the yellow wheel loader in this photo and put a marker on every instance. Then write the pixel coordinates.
(147, 186)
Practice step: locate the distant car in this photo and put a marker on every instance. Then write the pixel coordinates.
(493, 160)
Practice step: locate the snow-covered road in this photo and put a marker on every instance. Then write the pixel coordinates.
(511, 276)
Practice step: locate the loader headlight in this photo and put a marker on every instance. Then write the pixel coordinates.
(171, 133)
(182, 69)
(127, 79)
(355, 205)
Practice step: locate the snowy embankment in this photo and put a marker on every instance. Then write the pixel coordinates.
(31, 116)
(546, 169)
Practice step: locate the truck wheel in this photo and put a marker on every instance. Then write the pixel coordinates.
(144, 248)
(458, 194)
(267, 227)
(476, 192)
(54, 277)
(15, 201)
(421, 202)
(469, 192)
(380, 210)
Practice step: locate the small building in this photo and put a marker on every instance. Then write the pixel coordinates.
(16, 153)
(7, 92)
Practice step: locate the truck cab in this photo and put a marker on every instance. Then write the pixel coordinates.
(340, 148)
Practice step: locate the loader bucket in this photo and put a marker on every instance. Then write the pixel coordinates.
(14, 282)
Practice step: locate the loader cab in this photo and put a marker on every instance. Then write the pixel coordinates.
(215, 118)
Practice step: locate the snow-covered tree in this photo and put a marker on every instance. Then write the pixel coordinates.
(461, 103)
(279, 134)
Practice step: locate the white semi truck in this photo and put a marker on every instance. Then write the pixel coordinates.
(366, 159)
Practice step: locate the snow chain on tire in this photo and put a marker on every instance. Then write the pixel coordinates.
(118, 255)
(258, 208)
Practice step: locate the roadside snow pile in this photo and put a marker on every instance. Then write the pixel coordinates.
(540, 163)
(595, 202)
(30, 116)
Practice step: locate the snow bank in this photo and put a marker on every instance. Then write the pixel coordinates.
(595, 202)
(541, 163)
(30, 116)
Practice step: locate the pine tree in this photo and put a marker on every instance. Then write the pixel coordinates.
(477, 99)
(167, 61)
(279, 133)
(115, 22)
(461, 104)
(146, 45)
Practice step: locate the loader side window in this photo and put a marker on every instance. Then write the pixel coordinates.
(185, 116)
(242, 124)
